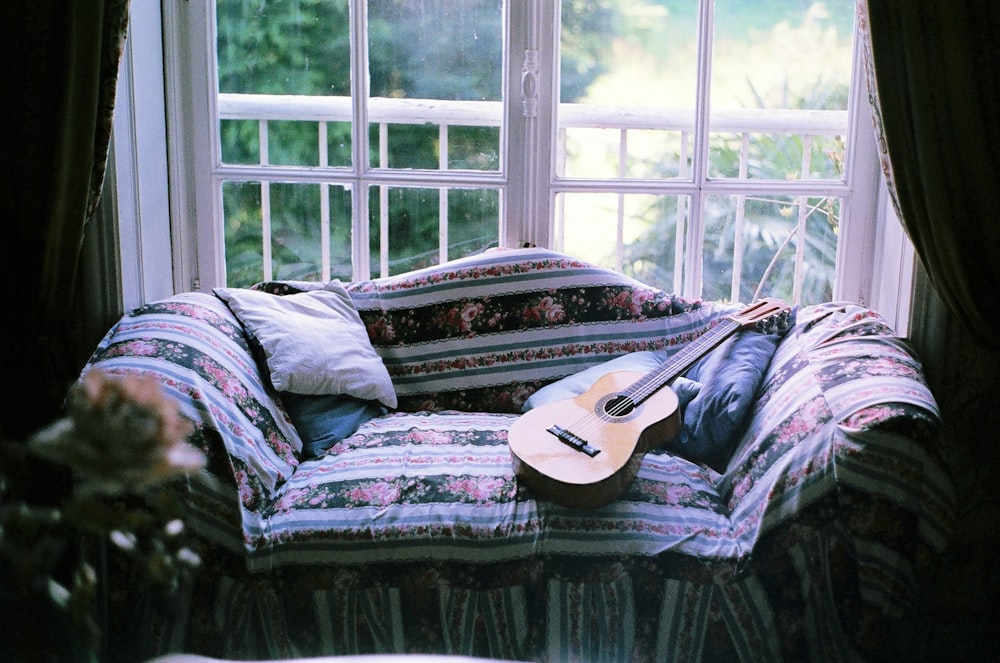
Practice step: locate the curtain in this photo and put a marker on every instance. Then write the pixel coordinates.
(934, 83)
(59, 70)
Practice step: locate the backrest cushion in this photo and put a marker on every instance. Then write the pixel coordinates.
(483, 333)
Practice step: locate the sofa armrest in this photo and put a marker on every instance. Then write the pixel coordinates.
(844, 434)
(193, 345)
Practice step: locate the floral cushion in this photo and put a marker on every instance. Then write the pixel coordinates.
(483, 333)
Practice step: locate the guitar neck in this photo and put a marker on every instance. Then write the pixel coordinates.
(644, 387)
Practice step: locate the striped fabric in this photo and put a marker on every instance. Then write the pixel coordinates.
(481, 333)
(195, 347)
(440, 486)
(836, 392)
(414, 535)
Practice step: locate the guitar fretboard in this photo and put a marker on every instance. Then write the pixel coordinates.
(648, 384)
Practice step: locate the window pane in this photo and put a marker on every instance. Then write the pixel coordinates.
(282, 48)
(450, 51)
(776, 156)
(638, 234)
(411, 146)
(295, 231)
(240, 141)
(341, 234)
(473, 221)
(407, 226)
(468, 148)
(288, 219)
(244, 235)
(292, 143)
(789, 244)
(628, 74)
(771, 61)
(619, 153)
(338, 144)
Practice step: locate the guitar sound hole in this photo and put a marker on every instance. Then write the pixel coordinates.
(619, 406)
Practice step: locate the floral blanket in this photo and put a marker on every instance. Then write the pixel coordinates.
(414, 535)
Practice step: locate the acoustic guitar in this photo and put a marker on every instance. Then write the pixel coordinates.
(585, 451)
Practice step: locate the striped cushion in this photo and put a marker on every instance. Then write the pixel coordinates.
(441, 486)
(483, 333)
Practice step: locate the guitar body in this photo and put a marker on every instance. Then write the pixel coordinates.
(567, 475)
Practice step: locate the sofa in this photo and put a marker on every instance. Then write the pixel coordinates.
(406, 529)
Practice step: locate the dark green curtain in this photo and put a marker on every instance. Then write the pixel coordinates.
(59, 70)
(934, 83)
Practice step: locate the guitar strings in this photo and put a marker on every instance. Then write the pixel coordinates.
(653, 381)
(645, 386)
(648, 384)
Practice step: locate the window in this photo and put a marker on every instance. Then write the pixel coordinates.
(715, 149)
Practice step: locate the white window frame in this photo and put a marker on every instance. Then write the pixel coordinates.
(875, 261)
(138, 163)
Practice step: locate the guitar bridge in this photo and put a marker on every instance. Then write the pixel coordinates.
(573, 440)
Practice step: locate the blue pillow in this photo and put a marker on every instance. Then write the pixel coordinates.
(715, 395)
(727, 380)
(324, 420)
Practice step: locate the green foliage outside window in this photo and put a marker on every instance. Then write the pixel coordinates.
(302, 47)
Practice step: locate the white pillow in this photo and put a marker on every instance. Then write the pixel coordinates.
(314, 342)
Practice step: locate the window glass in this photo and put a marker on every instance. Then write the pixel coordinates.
(407, 225)
(640, 235)
(628, 79)
(770, 58)
(243, 233)
(303, 226)
(241, 141)
(779, 246)
(282, 48)
(445, 50)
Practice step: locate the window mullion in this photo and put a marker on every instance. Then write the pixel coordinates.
(683, 209)
(741, 203)
(359, 140)
(443, 194)
(695, 231)
(530, 108)
(324, 206)
(858, 243)
(190, 85)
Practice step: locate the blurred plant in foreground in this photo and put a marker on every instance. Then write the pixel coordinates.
(120, 437)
